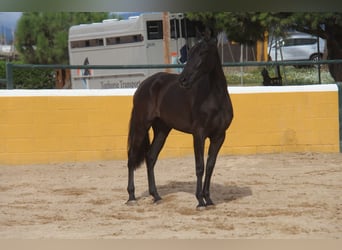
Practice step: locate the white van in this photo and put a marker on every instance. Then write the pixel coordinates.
(138, 40)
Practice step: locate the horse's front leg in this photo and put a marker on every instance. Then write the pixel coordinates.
(214, 148)
(199, 161)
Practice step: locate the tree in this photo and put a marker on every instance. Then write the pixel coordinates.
(248, 27)
(42, 37)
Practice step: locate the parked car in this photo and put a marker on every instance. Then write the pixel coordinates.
(296, 46)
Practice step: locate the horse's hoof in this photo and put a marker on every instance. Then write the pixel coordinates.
(157, 202)
(132, 203)
(200, 208)
(211, 206)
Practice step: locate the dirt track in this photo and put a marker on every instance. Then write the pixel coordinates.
(262, 196)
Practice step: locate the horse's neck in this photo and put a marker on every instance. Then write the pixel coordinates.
(218, 81)
(213, 85)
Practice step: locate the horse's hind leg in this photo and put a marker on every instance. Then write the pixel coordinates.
(130, 187)
(138, 147)
(161, 132)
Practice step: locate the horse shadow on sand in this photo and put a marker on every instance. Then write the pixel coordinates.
(219, 193)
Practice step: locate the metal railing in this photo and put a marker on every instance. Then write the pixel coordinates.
(11, 66)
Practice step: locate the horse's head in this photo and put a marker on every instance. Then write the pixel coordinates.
(202, 59)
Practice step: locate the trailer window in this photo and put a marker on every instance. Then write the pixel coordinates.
(174, 28)
(154, 30)
(87, 43)
(124, 39)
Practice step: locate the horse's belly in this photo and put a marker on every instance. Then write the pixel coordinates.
(178, 121)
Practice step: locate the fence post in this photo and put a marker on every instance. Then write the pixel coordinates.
(9, 75)
(339, 86)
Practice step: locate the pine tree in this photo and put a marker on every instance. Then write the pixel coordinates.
(42, 37)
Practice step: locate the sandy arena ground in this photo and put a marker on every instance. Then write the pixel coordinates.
(271, 196)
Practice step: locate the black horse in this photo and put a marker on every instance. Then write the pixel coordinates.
(195, 102)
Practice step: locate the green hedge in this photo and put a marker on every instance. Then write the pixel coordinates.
(29, 78)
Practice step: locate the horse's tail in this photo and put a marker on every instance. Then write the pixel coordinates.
(136, 149)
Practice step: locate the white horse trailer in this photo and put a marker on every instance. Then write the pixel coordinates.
(138, 40)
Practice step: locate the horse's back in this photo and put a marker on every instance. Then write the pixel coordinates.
(150, 91)
(156, 82)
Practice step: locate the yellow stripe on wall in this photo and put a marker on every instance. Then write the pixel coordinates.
(66, 126)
